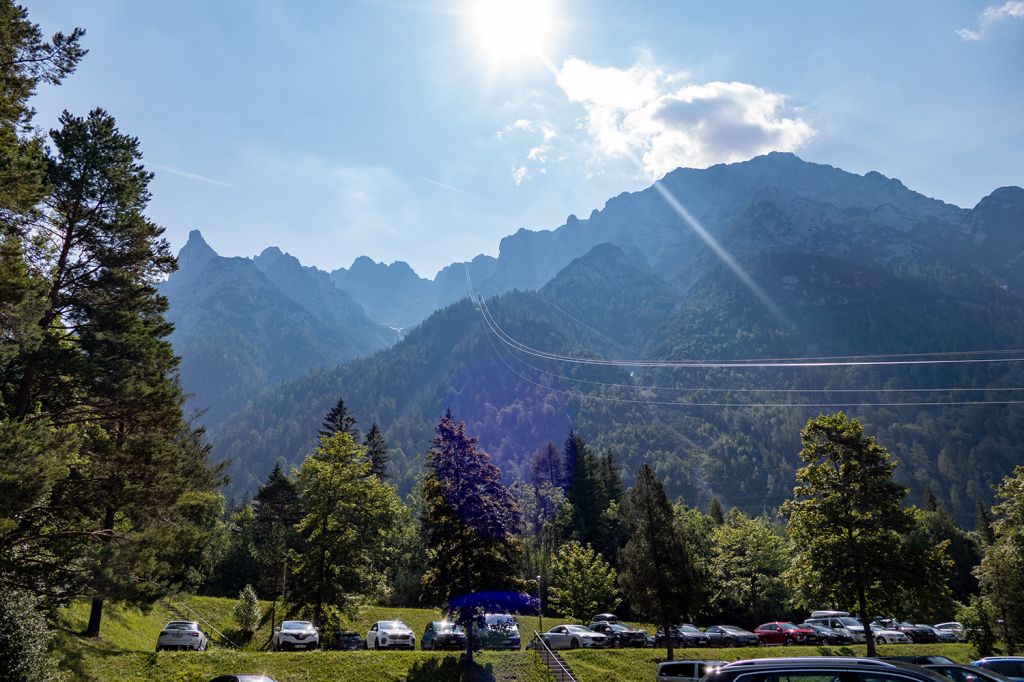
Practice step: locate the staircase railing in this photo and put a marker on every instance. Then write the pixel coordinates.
(556, 667)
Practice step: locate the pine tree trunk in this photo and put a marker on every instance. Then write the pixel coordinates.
(96, 609)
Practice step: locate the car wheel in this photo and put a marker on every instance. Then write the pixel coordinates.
(787, 642)
(574, 644)
(880, 640)
(376, 644)
(547, 643)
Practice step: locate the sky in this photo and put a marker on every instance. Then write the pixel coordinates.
(426, 130)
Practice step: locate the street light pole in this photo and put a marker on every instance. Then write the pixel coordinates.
(540, 606)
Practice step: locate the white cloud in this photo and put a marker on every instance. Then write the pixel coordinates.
(542, 135)
(656, 116)
(991, 15)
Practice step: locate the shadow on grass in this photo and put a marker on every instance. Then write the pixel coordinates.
(449, 669)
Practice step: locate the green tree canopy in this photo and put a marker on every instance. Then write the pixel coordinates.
(849, 529)
(582, 582)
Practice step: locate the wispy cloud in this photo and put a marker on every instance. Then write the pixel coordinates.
(445, 186)
(991, 15)
(537, 155)
(191, 176)
(668, 122)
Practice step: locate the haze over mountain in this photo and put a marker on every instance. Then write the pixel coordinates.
(854, 265)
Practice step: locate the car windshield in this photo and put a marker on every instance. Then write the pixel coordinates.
(788, 626)
(392, 625)
(733, 628)
(181, 626)
(296, 625)
(445, 626)
(500, 621)
(578, 628)
(848, 622)
(617, 627)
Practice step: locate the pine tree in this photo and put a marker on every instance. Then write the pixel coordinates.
(338, 420)
(657, 573)
(548, 467)
(583, 490)
(716, 512)
(983, 525)
(377, 451)
(470, 521)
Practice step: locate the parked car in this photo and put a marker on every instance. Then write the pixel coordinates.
(685, 671)
(620, 635)
(730, 635)
(348, 641)
(684, 636)
(845, 624)
(1009, 666)
(605, 618)
(830, 636)
(295, 634)
(443, 634)
(917, 634)
(941, 636)
(785, 634)
(182, 634)
(968, 673)
(954, 627)
(573, 637)
(817, 669)
(496, 631)
(390, 634)
(884, 635)
(243, 678)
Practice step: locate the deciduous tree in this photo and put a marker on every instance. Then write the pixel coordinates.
(582, 582)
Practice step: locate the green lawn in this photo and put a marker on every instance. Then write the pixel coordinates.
(627, 665)
(125, 651)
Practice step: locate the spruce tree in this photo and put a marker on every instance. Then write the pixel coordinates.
(277, 508)
(583, 489)
(657, 574)
(377, 452)
(338, 420)
(548, 467)
(470, 521)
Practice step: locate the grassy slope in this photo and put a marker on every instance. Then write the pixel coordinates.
(625, 665)
(124, 652)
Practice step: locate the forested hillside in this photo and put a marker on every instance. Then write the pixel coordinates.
(731, 433)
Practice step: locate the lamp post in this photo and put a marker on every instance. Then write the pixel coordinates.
(540, 607)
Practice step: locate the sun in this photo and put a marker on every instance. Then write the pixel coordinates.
(510, 33)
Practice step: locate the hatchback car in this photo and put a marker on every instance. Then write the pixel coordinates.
(390, 634)
(683, 636)
(347, 640)
(1010, 666)
(830, 636)
(731, 635)
(295, 634)
(442, 634)
(685, 671)
(954, 627)
(182, 634)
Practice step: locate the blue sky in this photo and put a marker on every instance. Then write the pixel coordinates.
(387, 128)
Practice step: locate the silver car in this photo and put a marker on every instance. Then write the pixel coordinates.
(295, 634)
(182, 634)
(573, 637)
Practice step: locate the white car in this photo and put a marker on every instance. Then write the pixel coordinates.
(295, 634)
(886, 636)
(943, 636)
(390, 634)
(573, 637)
(954, 627)
(182, 634)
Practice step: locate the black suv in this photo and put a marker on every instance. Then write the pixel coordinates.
(620, 635)
(824, 669)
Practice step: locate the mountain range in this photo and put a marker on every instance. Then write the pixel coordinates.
(820, 262)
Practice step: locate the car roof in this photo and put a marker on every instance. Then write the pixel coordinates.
(693, 660)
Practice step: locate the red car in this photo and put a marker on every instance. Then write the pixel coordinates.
(785, 634)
